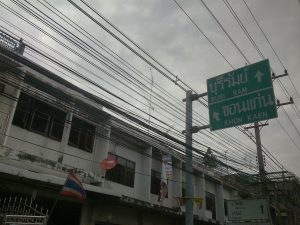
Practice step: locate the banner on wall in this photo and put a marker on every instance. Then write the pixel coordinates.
(198, 201)
(167, 161)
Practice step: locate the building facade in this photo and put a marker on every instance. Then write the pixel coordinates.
(49, 126)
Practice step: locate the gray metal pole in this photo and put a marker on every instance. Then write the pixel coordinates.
(189, 207)
(260, 159)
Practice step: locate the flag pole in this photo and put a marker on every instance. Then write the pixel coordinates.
(54, 204)
(59, 195)
(57, 198)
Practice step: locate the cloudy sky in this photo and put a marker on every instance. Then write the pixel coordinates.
(163, 30)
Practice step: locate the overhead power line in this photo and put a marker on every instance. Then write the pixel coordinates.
(90, 53)
(271, 46)
(226, 33)
(201, 31)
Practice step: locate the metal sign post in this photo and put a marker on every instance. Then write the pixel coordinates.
(189, 130)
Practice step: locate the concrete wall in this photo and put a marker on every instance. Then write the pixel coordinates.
(142, 181)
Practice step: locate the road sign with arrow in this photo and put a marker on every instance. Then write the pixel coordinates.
(241, 96)
(248, 209)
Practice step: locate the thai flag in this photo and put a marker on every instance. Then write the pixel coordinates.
(73, 188)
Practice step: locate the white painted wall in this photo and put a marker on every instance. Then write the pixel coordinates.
(33, 144)
(7, 108)
(210, 186)
(100, 149)
(226, 193)
(78, 158)
(142, 181)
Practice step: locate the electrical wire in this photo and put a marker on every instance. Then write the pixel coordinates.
(271, 46)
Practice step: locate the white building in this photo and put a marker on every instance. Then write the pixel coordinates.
(48, 126)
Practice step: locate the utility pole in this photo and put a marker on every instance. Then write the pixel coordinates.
(260, 159)
(261, 166)
(189, 189)
(189, 130)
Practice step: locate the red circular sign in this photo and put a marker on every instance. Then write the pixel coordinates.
(108, 163)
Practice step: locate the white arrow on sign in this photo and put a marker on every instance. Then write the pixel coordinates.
(216, 116)
(258, 76)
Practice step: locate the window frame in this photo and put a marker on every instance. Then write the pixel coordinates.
(85, 131)
(50, 132)
(27, 111)
(33, 119)
(121, 174)
(79, 134)
(211, 198)
(155, 177)
(87, 139)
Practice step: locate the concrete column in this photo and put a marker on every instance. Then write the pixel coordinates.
(177, 182)
(8, 107)
(200, 192)
(65, 136)
(220, 211)
(142, 179)
(100, 149)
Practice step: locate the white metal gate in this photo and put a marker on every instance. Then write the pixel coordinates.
(20, 211)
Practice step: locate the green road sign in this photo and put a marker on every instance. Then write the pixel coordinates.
(241, 96)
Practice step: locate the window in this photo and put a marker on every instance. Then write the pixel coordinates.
(39, 117)
(210, 203)
(155, 182)
(123, 172)
(40, 122)
(82, 135)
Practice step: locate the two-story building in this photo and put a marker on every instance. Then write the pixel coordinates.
(49, 125)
